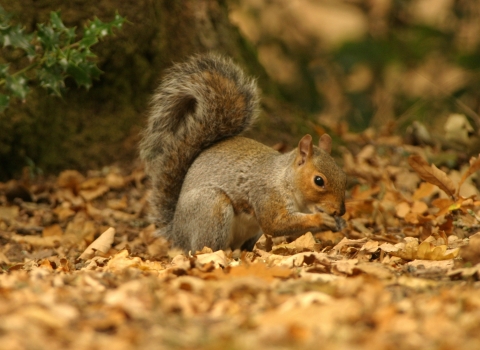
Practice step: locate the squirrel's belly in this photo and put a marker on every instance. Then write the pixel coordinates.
(244, 227)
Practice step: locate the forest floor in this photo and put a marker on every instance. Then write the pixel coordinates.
(403, 274)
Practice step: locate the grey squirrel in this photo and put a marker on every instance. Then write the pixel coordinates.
(211, 187)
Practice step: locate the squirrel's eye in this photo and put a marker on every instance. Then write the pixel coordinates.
(319, 181)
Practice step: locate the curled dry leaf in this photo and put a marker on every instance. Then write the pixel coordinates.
(122, 260)
(474, 166)
(432, 174)
(218, 259)
(102, 244)
(302, 243)
(370, 246)
(412, 250)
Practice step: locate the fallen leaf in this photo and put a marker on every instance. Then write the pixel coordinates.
(425, 189)
(102, 244)
(345, 266)
(53, 230)
(474, 167)
(375, 269)
(457, 127)
(218, 258)
(115, 181)
(430, 264)
(260, 270)
(419, 207)
(411, 250)
(306, 258)
(471, 252)
(63, 213)
(370, 246)
(302, 243)
(90, 194)
(432, 174)
(402, 209)
(9, 213)
(71, 179)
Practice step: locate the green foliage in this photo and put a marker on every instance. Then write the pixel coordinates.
(49, 55)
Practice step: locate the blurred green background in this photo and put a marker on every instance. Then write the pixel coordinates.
(364, 63)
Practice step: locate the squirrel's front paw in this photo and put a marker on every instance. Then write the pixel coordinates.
(328, 221)
(334, 223)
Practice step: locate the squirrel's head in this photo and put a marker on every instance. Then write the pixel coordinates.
(319, 180)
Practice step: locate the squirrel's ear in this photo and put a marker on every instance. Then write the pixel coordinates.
(305, 149)
(325, 143)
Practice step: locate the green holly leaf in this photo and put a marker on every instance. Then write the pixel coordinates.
(97, 29)
(56, 21)
(49, 38)
(67, 33)
(17, 85)
(59, 55)
(83, 73)
(89, 39)
(51, 78)
(15, 37)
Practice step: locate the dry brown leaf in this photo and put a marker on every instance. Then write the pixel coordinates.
(425, 189)
(91, 193)
(432, 264)
(474, 167)
(123, 260)
(412, 250)
(370, 246)
(302, 243)
(300, 259)
(218, 259)
(419, 207)
(344, 266)
(471, 252)
(63, 213)
(260, 270)
(9, 213)
(432, 174)
(402, 209)
(118, 204)
(375, 269)
(467, 272)
(71, 179)
(115, 181)
(102, 244)
(411, 218)
(53, 230)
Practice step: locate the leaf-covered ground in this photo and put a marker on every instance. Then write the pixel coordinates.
(81, 268)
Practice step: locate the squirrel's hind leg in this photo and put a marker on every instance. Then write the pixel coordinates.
(209, 214)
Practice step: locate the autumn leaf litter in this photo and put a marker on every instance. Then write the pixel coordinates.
(83, 269)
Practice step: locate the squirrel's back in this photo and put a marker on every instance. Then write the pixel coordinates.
(198, 103)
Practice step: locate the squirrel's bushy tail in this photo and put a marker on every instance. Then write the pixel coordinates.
(199, 102)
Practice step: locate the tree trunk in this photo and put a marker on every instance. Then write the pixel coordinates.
(87, 129)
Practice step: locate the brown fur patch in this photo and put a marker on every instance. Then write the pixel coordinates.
(242, 207)
(224, 86)
(325, 197)
(222, 202)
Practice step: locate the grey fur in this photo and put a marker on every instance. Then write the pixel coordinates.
(184, 103)
(214, 188)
